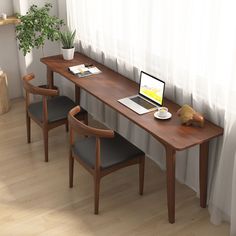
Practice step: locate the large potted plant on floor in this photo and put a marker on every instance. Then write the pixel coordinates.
(37, 26)
(67, 39)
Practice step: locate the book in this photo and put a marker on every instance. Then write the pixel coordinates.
(84, 70)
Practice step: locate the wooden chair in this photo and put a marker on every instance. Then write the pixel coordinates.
(101, 153)
(48, 113)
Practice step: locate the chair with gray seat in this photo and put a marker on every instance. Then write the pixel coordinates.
(49, 113)
(101, 153)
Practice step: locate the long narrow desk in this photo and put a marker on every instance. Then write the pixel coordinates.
(109, 86)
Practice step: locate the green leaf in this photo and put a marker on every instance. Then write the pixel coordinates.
(67, 39)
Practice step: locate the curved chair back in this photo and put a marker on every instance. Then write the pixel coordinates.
(29, 88)
(48, 113)
(116, 153)
(82, 129)
(86, 130)
(37, 90)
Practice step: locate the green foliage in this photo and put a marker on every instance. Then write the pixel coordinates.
(36, 27)
(67, 39)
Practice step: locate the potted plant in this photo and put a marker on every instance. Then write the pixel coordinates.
(67, 39)
(36, 27)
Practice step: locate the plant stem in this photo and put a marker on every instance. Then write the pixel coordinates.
(42, 50)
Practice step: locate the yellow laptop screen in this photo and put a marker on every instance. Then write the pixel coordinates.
(151, 88)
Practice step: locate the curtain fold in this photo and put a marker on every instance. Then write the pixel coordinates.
(191, 45)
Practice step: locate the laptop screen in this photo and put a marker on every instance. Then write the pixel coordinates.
(151, 88)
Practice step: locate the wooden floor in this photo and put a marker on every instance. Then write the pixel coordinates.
(35, 198)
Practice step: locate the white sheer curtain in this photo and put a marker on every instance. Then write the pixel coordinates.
(191, 44)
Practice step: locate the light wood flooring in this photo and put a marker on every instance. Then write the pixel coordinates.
(35, 198)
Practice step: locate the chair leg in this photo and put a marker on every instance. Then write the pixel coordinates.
(67, 127)
(141, 174)
(45, 140)
(86, 118)
(96, 193)
(28, 128)
(71, 170)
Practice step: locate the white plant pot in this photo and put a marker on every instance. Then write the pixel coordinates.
(68, 54)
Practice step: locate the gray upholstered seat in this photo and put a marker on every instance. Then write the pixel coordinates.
(113, 151)
(50, 112)
(103, 152)
(58, 108)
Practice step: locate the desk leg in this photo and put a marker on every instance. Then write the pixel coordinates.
(49, 77)
(77, 95)
(203, 169)
(170, 170)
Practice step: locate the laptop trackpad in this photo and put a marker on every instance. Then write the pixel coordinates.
(142, 102)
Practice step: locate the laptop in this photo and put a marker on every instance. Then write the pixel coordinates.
(150, 96)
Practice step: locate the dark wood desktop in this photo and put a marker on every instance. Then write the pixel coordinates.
(109, 86)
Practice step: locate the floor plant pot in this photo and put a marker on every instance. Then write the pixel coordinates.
(68, 54)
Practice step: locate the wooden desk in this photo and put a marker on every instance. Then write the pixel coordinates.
(110, 86)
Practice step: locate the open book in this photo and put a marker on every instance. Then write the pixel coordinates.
(84, 70)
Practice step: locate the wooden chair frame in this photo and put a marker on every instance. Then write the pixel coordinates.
(97, 173)
(45, 125)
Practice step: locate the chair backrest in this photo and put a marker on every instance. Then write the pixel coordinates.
(37, 90)
(82, 129)
(29, 88)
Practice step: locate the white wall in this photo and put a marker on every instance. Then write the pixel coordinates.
(6, 6)
(31, 63)
(50, 48)
(66, 87)
(8, 52)
(62, 13)
(14, 63)
(11, 60)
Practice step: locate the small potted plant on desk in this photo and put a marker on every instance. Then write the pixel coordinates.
(67, 39)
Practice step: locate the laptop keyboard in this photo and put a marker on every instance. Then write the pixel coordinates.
(142, 102)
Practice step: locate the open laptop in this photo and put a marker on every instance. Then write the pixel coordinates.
(150, 96)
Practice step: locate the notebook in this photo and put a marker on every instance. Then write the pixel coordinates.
(150, 96)
(84, 70)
